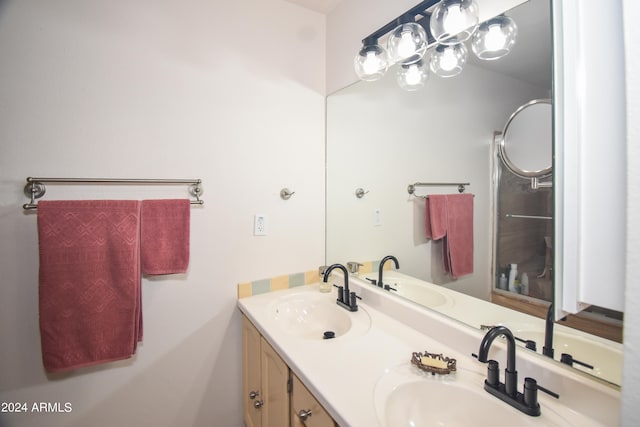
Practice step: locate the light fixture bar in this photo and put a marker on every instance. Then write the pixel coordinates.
(419, 9)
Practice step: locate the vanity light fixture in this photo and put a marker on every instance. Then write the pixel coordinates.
(407, 43)
(454, 21)
(413, 76)
(371, 62)
(494, 38)
(431, 35)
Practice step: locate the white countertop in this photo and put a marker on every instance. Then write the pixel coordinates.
(343, 372)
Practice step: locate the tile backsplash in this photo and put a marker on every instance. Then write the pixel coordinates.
(277, 283)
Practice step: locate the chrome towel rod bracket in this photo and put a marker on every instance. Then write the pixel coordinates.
(34, 188)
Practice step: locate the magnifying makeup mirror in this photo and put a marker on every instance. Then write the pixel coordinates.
(526, 145)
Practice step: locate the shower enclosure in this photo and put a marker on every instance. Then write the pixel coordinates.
(523, 221)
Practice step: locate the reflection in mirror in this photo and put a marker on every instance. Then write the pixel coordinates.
(380, 139)
(524, 210)
(525, 143)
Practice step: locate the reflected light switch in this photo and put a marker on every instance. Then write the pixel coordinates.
(377, 217)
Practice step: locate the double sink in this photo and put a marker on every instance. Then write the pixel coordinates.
(402, 394)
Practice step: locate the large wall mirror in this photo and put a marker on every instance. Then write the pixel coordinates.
(381, 139)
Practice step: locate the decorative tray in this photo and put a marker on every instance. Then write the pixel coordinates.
(434, 363)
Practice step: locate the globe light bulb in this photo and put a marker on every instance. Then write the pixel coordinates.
(413, 76)
(448, 61)
(407, 43)
(494, 38)
(454, 21)
(371, 62)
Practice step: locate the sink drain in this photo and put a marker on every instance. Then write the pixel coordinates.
(328, 335)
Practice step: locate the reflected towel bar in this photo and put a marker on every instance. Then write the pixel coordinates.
(528, 216)
(35, 189)
(411, 188)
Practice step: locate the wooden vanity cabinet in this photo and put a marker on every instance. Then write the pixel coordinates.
(305, 409)
(265, 381)
(272, 395)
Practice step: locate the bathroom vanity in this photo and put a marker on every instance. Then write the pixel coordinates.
(364, 375)
(267, 384)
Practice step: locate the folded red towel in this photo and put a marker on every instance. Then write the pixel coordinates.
(164, 236)
(450, 217)
(89, 282)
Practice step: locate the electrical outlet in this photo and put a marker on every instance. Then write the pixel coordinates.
(260, 225)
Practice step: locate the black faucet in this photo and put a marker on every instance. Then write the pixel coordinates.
(547, 350)
(381, 268)
(526, 402)
(345, 299)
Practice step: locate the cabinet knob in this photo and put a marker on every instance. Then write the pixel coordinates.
(258, 404)
(253, 394)
(304, 414)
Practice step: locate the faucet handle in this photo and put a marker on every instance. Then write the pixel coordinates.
(530, 392)
(493, 373)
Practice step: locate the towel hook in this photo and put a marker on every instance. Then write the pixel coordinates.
(360, 193)
(285, 194)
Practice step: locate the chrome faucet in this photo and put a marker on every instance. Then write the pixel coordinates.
(526, 402)
(346, 299)
(381, 268)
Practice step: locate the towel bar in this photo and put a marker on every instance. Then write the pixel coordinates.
(411, 188)
(528, 216)
(35, 189)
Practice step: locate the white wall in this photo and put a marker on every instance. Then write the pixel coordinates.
(206, 89)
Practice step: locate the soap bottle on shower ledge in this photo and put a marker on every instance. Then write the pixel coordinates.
(513, 272)
(524, 284)
(502, 282)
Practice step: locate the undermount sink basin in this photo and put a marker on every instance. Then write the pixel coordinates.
(406, 396)
(308, 315)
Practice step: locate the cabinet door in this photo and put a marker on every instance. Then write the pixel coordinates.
(251, 390)
(305, 409)
(275, 376)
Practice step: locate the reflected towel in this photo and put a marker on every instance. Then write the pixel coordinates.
(89, 282)
(436, 217)
(450, 217)
(164, 236)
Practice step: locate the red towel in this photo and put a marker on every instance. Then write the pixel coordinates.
(450, 217)
(164, 236)
(89, 292)
(436, 217)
